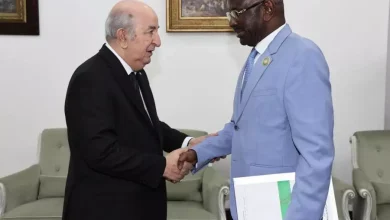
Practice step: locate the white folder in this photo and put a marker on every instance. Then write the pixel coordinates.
(268, 196)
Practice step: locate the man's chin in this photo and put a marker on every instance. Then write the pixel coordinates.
(147, 61)
(246, 42)
(243, 42)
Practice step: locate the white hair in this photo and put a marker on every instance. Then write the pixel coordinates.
(117, 20)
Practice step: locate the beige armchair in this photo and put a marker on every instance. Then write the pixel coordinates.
(344, 196)
(37, 192)
(371, 174)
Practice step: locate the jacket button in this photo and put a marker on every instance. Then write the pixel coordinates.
(236, 127)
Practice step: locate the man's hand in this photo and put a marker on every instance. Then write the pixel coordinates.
(188, 156)
(172, 172)
(195, 141)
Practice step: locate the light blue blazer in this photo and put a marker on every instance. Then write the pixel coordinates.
(283, 123)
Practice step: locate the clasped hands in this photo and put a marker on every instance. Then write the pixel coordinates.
(174, 170)
(181, 161)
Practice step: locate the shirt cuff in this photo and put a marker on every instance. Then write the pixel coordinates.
(186, 142)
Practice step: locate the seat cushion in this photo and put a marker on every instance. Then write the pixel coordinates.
(51, 209)
(383, 212)
(51, 186)
(43, 209)
(188, 189)
(188, 211)
(382, 192)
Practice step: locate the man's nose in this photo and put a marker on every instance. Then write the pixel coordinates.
(157, 40)
(232, 22)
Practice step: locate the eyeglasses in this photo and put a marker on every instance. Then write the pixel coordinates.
(234, 13)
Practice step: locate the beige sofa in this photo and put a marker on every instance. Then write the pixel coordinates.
(371, 174)
(36, 193)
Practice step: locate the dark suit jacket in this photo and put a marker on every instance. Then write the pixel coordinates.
(117, 164)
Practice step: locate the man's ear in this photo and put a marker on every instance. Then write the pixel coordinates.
(269, 9)
(122, 38)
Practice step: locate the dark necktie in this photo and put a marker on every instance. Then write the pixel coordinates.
(136, 80)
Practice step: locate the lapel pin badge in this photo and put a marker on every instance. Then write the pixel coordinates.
(266, 61)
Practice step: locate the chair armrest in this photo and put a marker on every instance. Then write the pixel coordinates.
(214, 190)
(344, 193)
(366, 201)
(19, 188)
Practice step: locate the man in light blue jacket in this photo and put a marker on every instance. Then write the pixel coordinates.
(283, 113)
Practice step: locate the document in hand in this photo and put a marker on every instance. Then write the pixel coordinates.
(268, 197)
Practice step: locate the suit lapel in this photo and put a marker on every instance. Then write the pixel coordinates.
(259, 69)
(237, 96)
(123, 79)
(149, 101)
(257, 72)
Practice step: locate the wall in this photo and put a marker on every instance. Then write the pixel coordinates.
(387, 96)
(193, 75)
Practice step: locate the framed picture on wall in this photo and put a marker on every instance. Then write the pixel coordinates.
(197, 16)
(19, 17)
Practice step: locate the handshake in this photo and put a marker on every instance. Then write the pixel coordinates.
(179, 164)
(181, 161)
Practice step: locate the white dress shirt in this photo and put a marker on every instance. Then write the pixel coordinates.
(263, 44)
(129, 70)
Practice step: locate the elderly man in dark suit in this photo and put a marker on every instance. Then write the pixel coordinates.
(117, 168)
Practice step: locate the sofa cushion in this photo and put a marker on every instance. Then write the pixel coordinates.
(51, 186)
(383, 212)
(188, 210)
(193, 133)
(382, 191)
(54, 152)
(54, 161)
(51, 209)
(43, 209)
(188, 189)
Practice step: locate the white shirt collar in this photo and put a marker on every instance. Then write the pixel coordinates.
(262, 45)
(124, 64)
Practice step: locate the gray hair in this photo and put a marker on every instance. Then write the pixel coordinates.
(117, 20)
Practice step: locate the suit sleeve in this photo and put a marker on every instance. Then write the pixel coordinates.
(173, 139)
(214, 146)
(90, 118)
(308, 103)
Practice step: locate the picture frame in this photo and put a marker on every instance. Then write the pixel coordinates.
(197, 16)
(19, 17)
